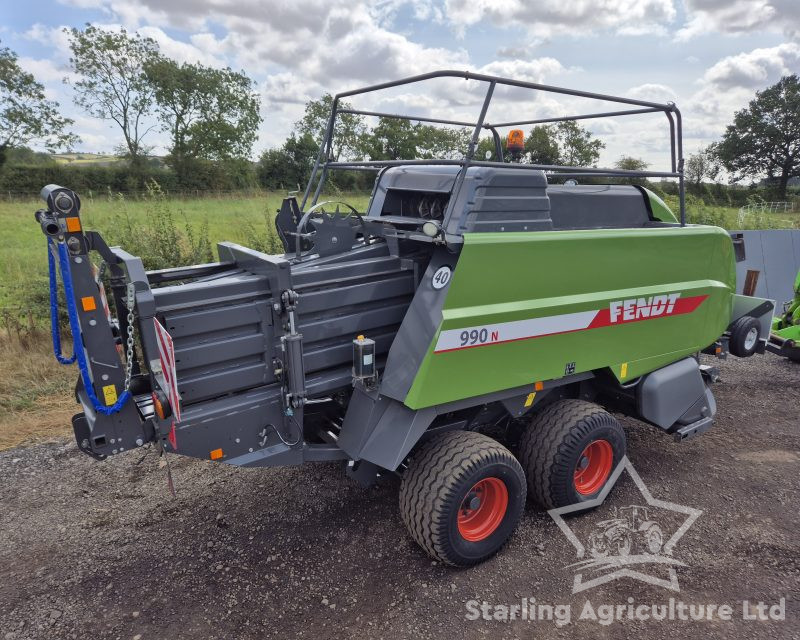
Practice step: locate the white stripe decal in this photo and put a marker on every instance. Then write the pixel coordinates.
(618, 312)
(515, 330)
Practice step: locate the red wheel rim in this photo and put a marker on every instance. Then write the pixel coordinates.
(593, 467)
(482, 509)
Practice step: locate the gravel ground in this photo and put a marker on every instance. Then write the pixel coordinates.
(100, 549)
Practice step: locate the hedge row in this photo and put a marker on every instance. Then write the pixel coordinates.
(23, 180)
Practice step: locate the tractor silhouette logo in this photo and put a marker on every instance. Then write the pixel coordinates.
(635, 537)
(629, 531)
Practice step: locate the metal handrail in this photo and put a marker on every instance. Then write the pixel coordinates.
(671, 112)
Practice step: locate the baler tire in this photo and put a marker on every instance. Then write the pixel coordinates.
(554, 443)
(740, 336)
(441, 476)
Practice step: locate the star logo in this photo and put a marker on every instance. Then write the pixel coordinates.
(634, 537)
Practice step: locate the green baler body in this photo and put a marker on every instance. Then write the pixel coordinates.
(559, 302)
(787, 325)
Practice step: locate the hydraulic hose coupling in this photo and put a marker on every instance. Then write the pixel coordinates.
(49, 223)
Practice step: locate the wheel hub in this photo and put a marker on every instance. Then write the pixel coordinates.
(594, 467)
(473, 501)
(482, 509)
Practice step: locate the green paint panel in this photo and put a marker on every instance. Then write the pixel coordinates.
(506, 277)
(659, 208)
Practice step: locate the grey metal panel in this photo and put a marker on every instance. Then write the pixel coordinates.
(508, 200)
(597, 206)
(417, 330)
(318, 276)
(239, 374)
(754, 260)
(221, 351)
(779, 264)
(432, 178)
(225, 290)
(192, 323)
(351, 324)
(667, 393)
(381, 430)
(233, 423)
(400, 285)
(775, 254)
(336, 353)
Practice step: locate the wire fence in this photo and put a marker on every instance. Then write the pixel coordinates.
(761, 208)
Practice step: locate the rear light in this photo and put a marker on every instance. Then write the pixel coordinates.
(161, 405)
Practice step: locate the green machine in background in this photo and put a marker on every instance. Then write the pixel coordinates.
(785, 337)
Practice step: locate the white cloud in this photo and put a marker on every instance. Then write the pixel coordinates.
(545, 18)
(741, 16)
(652, 92)
(181, 51)
(754, 69)
(44, 70)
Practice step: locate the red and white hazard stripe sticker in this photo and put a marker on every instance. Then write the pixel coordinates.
(166, 353)
(617, 312)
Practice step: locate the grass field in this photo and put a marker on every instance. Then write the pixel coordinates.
(86, 158)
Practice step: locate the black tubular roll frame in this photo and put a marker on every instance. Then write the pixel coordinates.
(324, 162)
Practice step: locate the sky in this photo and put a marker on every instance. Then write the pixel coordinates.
(708, 56)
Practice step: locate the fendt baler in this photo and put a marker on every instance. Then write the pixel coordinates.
(471, 298)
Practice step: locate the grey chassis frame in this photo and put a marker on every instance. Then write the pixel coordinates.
(323, 163)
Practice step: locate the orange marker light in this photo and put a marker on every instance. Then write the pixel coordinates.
(516, 141)
(161, 406)
(538, 386)
(73, 224)
(88, 303)
(216, 454)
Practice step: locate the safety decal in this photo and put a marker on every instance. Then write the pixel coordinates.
(617, 312)
(441, 277)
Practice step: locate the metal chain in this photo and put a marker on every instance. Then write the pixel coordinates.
(130, 301)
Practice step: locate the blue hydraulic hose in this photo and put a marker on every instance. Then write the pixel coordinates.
(54, 328)
(80, 354)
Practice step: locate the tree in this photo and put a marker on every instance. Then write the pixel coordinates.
(576, 146)
(398, 139)
(290, 166)
(391, 139)
(541, 146)
(211, 114)
(442, 142)
(629, 163)
(25, 114)
(349, 130)
(764, 138)
(702, 165)
(113, 84)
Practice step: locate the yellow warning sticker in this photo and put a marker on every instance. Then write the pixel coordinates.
(110, 394)
(623, 370)
(529, 399)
